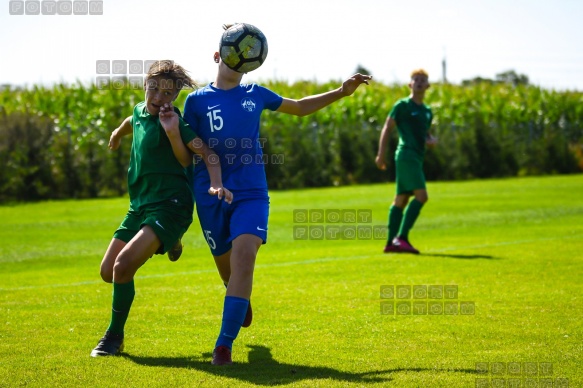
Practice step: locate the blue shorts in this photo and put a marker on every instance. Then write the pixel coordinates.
(221, 222)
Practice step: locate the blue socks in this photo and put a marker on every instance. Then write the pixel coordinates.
(234, 312)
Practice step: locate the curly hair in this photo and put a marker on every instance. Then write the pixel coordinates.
(170, 70)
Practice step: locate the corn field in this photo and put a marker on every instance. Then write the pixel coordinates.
(53, 141)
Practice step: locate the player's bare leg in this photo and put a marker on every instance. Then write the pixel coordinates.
(223, 263)
(106, 270)
(242, 263)
(243, 254)
(135, 254)
(421, 195)
(130, 257)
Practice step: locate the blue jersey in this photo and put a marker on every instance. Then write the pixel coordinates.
(228, 121)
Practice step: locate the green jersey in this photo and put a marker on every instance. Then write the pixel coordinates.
(413, 123)
(155, 175)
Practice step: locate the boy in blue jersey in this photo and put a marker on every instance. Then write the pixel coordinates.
(226, 115)
(413, 121)
(161, 200)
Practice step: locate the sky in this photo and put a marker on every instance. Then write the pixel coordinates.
(314, 40)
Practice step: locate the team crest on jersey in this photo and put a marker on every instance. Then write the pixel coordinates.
(248, 104)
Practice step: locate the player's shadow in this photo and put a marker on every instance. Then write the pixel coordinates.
(262, 369)
(458, 256)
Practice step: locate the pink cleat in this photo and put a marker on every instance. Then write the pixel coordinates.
(403, 245)
(391, 248)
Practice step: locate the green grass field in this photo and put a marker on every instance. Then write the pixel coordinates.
(513, 247)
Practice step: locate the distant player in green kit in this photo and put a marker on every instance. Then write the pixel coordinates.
(413, 120)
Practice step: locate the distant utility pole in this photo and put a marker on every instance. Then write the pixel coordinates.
(443, 68)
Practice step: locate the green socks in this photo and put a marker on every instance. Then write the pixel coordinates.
(411, 213)
(123, 296)
(395, 217)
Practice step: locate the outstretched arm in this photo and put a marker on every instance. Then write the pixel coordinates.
(384, 143)
(123, 130)
(311, 104)
(213, 165)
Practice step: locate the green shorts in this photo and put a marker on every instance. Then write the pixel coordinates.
(169, 220)
(410, 176)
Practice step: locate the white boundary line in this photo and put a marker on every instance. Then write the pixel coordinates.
(290, 263)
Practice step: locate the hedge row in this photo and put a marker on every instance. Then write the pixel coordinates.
(53, 141)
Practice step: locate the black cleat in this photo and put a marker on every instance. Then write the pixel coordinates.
(109, 345)
(176, 251)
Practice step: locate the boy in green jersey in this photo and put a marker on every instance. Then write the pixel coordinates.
(413, 121)
(161, 200)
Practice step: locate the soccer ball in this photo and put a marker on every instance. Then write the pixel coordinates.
(243, 47)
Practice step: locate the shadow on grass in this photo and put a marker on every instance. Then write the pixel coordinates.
(465, 257)
(262, 369)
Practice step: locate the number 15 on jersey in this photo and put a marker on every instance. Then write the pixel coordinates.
(215, 120)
